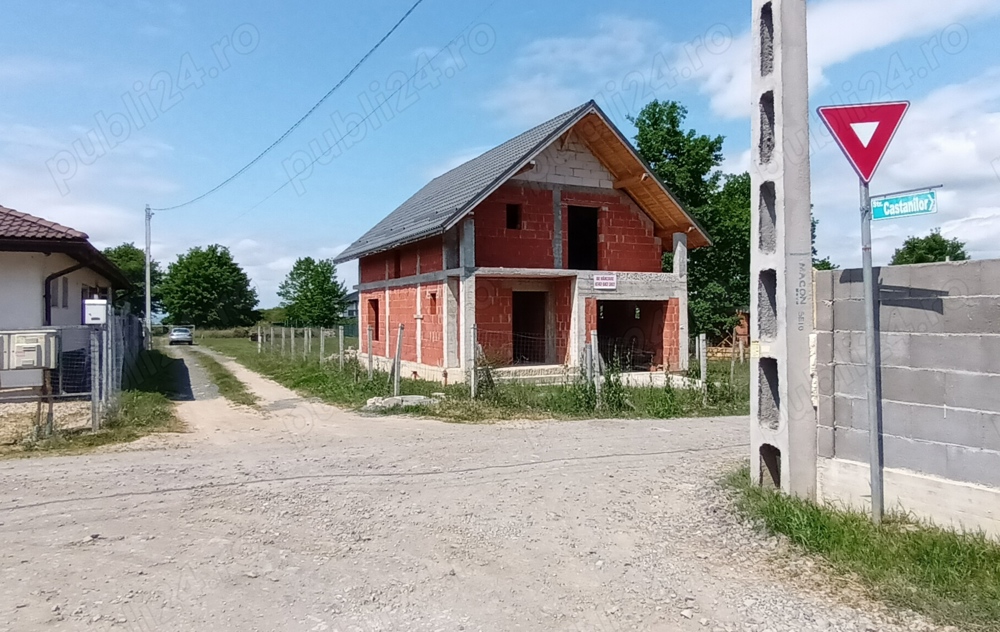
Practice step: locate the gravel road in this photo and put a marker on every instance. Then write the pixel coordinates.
(299, 516)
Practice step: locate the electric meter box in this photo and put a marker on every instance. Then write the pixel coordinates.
(22, 350)
(95, 311)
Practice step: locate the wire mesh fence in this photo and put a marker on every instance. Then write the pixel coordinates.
(90, 367)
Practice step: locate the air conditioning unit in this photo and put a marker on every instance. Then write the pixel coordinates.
(22, 350)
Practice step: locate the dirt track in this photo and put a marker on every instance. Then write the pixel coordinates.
(302, 517)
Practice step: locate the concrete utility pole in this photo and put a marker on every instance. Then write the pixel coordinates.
(149, 296)
(782, 417)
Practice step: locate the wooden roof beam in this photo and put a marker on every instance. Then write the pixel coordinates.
(630, 181)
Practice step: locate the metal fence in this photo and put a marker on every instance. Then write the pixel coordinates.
(92, 366)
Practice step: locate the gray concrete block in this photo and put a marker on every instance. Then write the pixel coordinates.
(913, 385)
(918, 456)
(849, 315)
(824, 442)
(989, 277)
(981, 467)
(825, 411)
(849, 379)
(889, 277)
(912, 315)
(850, 412)
(971, 315)
(824, 347)
(825, 379)
(824, 316)
(991, 432)
(823, 285)
(851, 444)
(844, 343)
(971, 390)
(895, 350)
(848, 284)
(934, 424)
(975, 353)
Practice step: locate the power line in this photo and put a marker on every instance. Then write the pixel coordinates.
(304, 116)
(364, 119)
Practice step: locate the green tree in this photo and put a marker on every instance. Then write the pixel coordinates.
(205, 287)
(688, 163)
(824, 263)
(929, 249)
(311, 293)
(132, 262)
(719, 276)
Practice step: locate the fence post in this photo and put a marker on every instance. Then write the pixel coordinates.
(260, 340)
(322, 345)
(397, 363)
(474, 372)
(596, 353)
(340, 345)
(270, 339)
(95, 379)
(703, 366)
(371, 365)
(741, 351)
(293, 343)
(282, 340)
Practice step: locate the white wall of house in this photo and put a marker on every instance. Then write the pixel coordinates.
(22, 301)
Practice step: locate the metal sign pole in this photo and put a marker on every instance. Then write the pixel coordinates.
(874, 427)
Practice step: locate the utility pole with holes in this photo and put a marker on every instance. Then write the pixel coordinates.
(782, 416)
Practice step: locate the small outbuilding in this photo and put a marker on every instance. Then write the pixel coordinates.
(548, 242)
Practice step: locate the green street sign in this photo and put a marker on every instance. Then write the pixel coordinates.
(895, 206)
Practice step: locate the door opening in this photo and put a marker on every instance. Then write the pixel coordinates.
(582, 238)
(528, 327)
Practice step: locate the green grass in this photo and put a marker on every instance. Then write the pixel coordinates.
(145, 408)
(950, 577)
(352, 389)
(228, 384)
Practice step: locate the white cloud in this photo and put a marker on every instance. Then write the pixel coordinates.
(950, 137)
(552, 75)
(838, 31)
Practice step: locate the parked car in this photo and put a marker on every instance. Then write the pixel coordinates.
(181, 336)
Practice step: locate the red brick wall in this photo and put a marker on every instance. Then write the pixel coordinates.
(529, 247)
(494, 303)
(590, 308)
(373, 267)
(432, 329)
(672, 335)
(365, 320)
(564, 318)
(627, 240)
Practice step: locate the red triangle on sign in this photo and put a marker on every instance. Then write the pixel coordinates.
(864, 131)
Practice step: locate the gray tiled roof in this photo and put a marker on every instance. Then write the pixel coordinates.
(446, 197)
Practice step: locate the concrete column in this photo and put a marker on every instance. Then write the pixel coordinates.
(782, 418)
(450, 322)
(467, 261)
(681, 270)
(557, 230)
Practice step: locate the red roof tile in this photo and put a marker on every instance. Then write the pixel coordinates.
(18, 225)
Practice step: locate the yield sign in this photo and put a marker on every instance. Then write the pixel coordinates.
(864, 131)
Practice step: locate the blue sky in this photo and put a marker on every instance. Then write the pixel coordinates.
(180, 95)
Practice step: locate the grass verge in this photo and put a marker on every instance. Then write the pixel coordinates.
(228, 384)
(952, 578)
(351, 388)
(145, 408)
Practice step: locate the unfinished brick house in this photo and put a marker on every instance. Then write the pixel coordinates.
(540, 242)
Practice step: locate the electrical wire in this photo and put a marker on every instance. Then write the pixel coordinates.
(369, 115)
(302, 119)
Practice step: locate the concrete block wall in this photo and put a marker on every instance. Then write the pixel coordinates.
(939, 330)
(569, 163)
